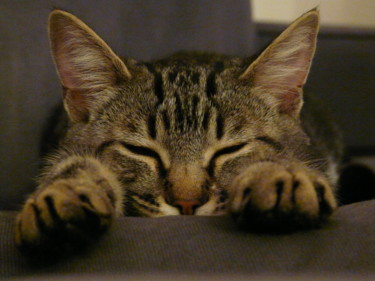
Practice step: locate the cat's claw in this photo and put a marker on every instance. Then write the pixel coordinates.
(63, 213)
(271, 196)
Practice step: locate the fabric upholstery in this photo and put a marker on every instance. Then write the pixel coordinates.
(211, 245)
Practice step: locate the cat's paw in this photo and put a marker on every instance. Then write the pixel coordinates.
(271, 196)
(66, 213)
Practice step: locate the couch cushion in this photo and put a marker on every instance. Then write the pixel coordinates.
(211, 245)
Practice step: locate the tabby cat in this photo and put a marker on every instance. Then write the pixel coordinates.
(192, 134)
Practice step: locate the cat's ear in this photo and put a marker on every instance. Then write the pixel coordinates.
(281, 70)
(85, 63)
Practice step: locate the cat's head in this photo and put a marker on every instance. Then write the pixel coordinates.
(177, 131)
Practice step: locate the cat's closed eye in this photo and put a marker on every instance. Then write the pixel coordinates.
(226, 150)
(145, 151)
(273, 143)
(141, 150)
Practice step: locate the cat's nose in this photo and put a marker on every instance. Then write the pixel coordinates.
(187, 207)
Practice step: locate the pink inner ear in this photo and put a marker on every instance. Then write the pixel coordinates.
(281, 70)
(68, 77)
(290, 72)
(301, 61)
(77, 104)
(284, 77)
(290, 101)
(65, 51)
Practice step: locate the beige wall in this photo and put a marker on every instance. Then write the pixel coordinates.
(346, 13)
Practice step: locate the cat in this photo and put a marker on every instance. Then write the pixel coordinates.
(191, 134)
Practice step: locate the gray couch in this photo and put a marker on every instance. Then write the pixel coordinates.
(170, 248)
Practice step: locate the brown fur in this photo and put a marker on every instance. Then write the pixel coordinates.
(191, 134)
